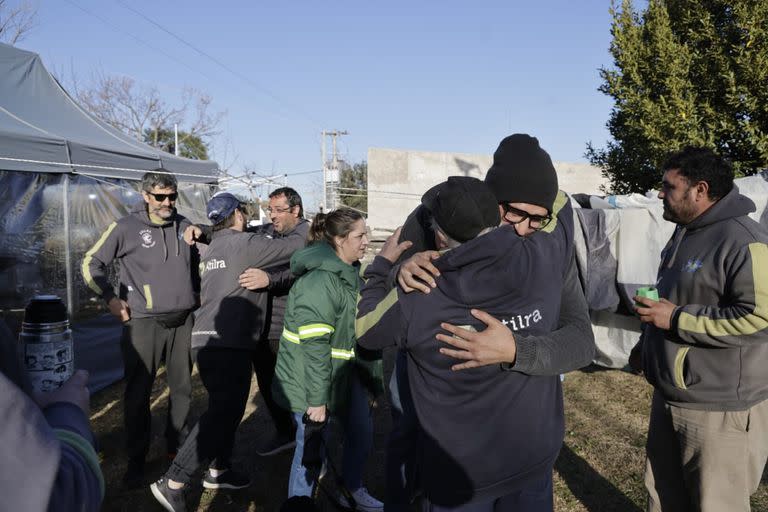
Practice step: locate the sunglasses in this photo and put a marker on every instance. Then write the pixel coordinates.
(515, 216)
(162, 197)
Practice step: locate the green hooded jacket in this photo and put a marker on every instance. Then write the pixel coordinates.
(318, 352)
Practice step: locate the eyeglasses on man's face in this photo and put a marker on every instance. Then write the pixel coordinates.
(162, 197)
(516, 216)
(278, 210)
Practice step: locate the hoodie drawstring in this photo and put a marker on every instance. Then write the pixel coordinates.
(176, 234)
(165, 246)
(676, 245)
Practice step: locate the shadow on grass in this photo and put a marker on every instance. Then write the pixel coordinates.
(594, 491)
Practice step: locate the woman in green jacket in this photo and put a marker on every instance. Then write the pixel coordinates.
(320, 374)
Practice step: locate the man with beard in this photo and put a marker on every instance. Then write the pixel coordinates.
(704, 345)
(157, 289)
(524, 182)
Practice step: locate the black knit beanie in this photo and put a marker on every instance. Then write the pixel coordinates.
(522, 172)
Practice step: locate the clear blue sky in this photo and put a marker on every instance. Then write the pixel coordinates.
(427, 75)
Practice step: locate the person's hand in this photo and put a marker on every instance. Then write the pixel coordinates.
(74, 391)
(418, 272)
(119, 309)
(658, 313)
(191, 234)
(253, 279)
(317, 413)
(496, 344)
(391, 250)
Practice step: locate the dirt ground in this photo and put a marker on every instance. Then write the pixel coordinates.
(599, 469)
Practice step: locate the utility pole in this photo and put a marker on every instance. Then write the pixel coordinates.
(331, 174)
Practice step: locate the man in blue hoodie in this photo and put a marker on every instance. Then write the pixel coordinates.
(524, 182)
(489, 438)
(157, 290)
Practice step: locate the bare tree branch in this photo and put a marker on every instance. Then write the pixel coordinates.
(16, 21)
(142, 113)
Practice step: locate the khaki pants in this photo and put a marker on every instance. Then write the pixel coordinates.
(708, 461)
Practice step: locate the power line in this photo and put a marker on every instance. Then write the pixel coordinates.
(221, 64)
(139, 40)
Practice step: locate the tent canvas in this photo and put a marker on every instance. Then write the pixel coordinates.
(64, 176)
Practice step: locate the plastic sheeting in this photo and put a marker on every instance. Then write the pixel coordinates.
(618, 246)
(35, 251)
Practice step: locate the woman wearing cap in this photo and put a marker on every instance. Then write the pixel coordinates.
(319, 374)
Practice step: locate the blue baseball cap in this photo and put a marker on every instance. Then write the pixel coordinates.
(221, 206)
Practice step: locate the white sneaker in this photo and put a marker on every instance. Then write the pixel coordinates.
(364, 501)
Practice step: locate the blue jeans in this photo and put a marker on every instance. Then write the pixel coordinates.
(358, 439)
(402, 445)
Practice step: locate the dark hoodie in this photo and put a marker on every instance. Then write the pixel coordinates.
(715, 269)
(486, 433)
(158, 271)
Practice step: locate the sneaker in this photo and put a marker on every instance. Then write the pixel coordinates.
(363, 501)
(230, 479)
(172, 500)
(279, 443)
(134, 475)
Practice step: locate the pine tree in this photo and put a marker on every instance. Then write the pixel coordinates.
(685, 72)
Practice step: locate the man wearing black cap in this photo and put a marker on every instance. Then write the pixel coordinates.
(524, 182)
(224, 337)
(489, 438)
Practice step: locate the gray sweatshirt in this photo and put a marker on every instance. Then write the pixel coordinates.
(715, 354)
(231, 316)
(157, 269)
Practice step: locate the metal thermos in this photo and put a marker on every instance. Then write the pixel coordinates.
(46, 343)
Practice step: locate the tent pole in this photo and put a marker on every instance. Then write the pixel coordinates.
(67, 251)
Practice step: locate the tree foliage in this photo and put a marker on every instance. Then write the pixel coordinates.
(190, 145)
(16, 21)
(353, 186)
(685, 72)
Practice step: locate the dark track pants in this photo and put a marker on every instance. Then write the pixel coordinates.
(226, 374)
(537, 497)
(145, 343)
(264, 361)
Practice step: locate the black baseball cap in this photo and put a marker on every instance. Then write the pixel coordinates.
(462, 207)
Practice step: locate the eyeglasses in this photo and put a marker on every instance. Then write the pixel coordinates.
(162, 197)
(516, 216)
(279, 210)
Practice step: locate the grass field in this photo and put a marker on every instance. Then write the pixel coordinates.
(599, 469)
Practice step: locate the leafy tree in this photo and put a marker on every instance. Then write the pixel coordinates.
(685, 72)
(353, 186)
(190, 145)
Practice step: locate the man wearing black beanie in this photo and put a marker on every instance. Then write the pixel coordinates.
(525, 184)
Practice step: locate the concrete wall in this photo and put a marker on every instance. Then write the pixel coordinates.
(397, 178)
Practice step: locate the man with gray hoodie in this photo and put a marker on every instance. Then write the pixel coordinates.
(157, 290)
(704, 345)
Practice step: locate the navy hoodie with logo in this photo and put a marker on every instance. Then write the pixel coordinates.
(486, 432)
(158, 271)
